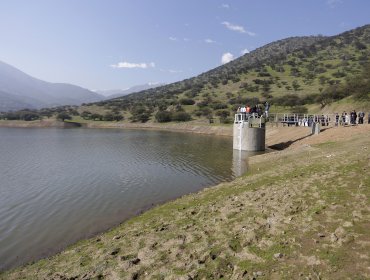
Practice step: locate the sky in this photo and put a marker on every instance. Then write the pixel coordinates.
(117, 44)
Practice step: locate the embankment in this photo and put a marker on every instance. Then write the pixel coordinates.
(178, 127)
(39, 124)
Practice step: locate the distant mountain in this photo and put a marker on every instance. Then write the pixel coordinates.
(114, 93)
(19, 90)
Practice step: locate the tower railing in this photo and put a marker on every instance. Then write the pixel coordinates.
(250, 119)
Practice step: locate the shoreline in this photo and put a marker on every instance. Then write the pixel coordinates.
(181, 128)
(301, 144)
(218, 130)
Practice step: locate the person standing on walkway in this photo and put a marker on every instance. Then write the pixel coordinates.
(347, 121)
(267, 108)
(243, 112)
(336, 119)
(361, 116)
(344, 118)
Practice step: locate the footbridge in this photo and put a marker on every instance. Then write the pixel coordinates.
(249, 131)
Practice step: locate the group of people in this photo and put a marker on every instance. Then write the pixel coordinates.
(352, 118)
(257, 109)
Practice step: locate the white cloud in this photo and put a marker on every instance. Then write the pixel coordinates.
(237, 28)
(133, 65)
(173, 38)
(174, 71)
(234, 27)
(209, 41)
(186, 39)
(227, 57)
(243, 52)
(226, 6)
(333, 3)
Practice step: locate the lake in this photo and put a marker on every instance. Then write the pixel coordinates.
(61, 185)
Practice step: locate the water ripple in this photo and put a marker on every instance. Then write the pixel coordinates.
(57, 186)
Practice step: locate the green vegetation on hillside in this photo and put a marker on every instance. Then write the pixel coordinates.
(291, 73)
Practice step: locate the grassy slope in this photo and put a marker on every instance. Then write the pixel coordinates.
(315, 71)
(298, 213)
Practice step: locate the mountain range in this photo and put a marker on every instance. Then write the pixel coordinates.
(19, 90)
(114, 93)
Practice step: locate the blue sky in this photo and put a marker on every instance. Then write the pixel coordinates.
(110, 44)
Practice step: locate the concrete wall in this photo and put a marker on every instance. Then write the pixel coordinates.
(249, 138)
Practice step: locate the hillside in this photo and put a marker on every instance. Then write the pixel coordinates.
(289, 73)
(19, 90)
(114, 93)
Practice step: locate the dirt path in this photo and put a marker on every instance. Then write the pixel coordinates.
(290, 137)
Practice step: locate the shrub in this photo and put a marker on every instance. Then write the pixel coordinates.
(181, 117)
(202, 103)
(223, 113)
(187, 101)
(163, 116)
(86, 115)
(299, 109)
(218, 106)
(108, 117)
(63, 116)
(97, 117)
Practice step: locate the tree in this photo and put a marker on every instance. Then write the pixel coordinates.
(30, 116)
(96, 117)
(181, 117)
(86, 115)
(187, 101)
(359, 85)
(117, 117)
(296, 85)
(163, 116)
(140, 113)
(108, 117)
(63, 116)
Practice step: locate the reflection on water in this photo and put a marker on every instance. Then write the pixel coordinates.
(58, 186)
(240, 161)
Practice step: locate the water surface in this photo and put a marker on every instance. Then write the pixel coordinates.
(61, 185)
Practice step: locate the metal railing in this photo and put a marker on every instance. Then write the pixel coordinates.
(304, 119)
(252, 120)
(290, 119)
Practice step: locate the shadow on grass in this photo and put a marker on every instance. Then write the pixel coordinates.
(284, 145)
